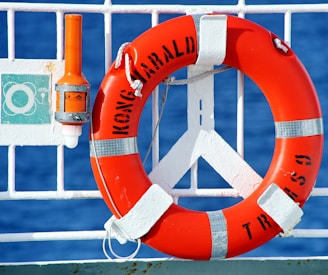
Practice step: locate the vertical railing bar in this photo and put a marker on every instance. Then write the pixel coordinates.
(60, 168)
(108, 40)
(11, 169)
(288, 28)
(194, 166)
(194, 176)
(11, 57)
(240, 112)
(155, 110)
(240, 101)
(60, 56)
(108, 36)
(60, 35)
(241, 6)
(11, 34)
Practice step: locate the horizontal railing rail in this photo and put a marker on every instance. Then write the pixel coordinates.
(107, 7)
(101, 234)
(95, 194)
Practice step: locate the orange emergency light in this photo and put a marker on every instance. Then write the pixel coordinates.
(72, 90)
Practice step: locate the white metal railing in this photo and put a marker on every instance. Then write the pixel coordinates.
(107, 10)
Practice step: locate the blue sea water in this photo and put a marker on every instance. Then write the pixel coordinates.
(36, 167)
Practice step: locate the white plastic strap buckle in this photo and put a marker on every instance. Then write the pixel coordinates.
(212, 39)
(280, 207)
(141, 218)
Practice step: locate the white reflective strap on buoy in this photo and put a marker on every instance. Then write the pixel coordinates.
(113, 147)
(219, 234)
(141, 218)
(299, 128)
(212, 37)
(280, 207)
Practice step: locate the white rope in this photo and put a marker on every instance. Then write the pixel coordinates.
(136, 85)
(164, 99)
(280, 46)
(118, 60)
(173, 81)
(108, 237)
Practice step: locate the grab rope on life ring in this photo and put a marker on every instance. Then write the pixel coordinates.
(144, 210)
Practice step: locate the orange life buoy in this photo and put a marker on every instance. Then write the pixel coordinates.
(279, 74)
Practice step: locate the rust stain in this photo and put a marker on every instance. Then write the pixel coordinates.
(50, 66)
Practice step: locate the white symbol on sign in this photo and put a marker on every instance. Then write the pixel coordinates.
(22, 98)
